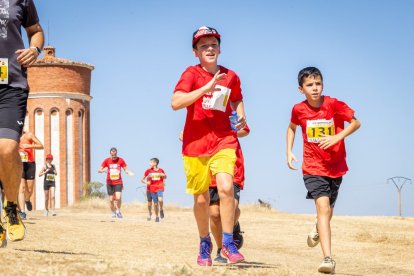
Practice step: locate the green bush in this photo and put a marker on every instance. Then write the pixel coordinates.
(93, 189)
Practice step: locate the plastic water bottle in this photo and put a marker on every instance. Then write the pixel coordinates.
(234, 120)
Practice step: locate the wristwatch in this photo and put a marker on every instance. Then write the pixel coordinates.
(38, 50)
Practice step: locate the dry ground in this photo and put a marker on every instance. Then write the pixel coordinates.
(85, 240)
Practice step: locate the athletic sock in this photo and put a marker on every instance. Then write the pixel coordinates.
(206, 238)
(227, 239)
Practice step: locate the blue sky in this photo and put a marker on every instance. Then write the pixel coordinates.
(140, 48)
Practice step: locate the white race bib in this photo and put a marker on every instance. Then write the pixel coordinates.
(4, 71)
(24, 156)
(316, 128)
(50, 177)
(219, 99)
(114, 174)
(155, 176)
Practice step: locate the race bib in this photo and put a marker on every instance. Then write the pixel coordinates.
(155, 176)
(316, 128)
(4, 71)
(24, 156)
(114, 174)
(50, 177)
(219, 99)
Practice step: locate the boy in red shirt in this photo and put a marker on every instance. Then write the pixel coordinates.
(209, 92)
(215, 218)
(113, 165)
(321, 119)
(154, 179)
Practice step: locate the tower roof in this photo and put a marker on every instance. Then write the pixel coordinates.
(49, 58)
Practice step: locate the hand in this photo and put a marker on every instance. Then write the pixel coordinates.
(130, 173)
(290, 158)
(27, 57)
(211, 85)
(327, 141)
(241, 122)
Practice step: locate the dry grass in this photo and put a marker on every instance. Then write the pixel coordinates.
(84, 240)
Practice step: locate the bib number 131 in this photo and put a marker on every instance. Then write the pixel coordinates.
(315, 129)
(4, 71)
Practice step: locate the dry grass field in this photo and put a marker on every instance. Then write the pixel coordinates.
(84, 240)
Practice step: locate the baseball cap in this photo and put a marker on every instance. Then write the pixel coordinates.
(204, 31)
(113, 148)
(49, 156)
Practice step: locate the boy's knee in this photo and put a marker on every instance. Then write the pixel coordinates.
(215, 216)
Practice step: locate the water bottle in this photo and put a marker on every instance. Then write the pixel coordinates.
(234, 120)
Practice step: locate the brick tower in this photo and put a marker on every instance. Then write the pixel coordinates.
(58, 114)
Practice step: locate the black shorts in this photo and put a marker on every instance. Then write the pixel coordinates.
(29, 170)
(319, 186)
(48, 184)
(13, 103)
(214, 195)
(114, 188)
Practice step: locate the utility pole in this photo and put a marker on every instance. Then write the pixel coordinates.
(399, 182)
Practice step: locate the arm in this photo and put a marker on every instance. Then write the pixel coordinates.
(54, 170)
(128, 172)
(42, 171)
(290, 138)
(36, 144)
(35, 35)
(182, 99)
(101, 169)
(328, 141)
(144, 180)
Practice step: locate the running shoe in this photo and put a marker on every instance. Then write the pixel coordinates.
(219, 258)
(119, 215)
(22, 215)
(204, 257)
(29, 205)
(15, 229)
(231, 253)
(46, 213)
(327, 265)
(313, 236)
(237, 236)
(53, 213)
(162, 214)
(113, 215)
(157, 219)
(149, 218)
(3, 240)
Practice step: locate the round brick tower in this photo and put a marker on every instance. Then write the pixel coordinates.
(58, 114)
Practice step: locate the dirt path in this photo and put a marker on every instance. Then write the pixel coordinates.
(87, 241)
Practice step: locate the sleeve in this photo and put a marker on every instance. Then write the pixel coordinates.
(123, 164)
(186, 82)
(146, 173)
(104, 165)
(30, 16)
(246, 128)
(343, 111)
(294, 117)
(236, 91)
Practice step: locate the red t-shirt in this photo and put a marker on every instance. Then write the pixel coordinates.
(207, 128)
(113, 176)
(238, 178)
(328, 119)
(156, 180)
(26, 155)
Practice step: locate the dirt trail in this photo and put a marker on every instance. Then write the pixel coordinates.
(85, 240)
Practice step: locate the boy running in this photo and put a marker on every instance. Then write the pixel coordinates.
(215, 219)
(321, 119)
(154, 179)
(210, 92)
(113, 165)
(49, 185)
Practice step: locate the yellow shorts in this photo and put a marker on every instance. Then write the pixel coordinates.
(197, 169)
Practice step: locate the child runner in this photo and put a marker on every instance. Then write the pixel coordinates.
(209, 92)
(154, 178)
(321, 119)
(49, 186)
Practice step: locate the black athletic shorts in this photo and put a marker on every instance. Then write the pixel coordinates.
(114, 188)
(13, 103)
(319, 186)
(29, 170)
(214, 195)
(48, 184)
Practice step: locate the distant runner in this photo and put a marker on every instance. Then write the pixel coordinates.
(49, 185)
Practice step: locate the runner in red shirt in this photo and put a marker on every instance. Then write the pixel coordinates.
(27, 146)
(321, 119)
(114, 184)
(215, 219)
(154, 178)
(209, 92)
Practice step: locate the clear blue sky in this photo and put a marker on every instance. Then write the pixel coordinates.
(140, 48)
